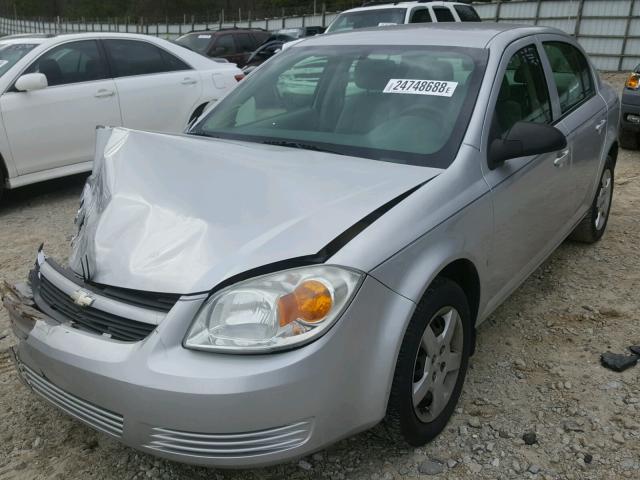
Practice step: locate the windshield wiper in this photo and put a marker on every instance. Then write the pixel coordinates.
(300, 145)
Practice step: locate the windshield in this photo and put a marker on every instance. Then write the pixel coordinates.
(368, 18)
(10, 53)
(198, 42)
(404, 104)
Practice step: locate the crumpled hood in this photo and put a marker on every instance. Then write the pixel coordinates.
(179, 214)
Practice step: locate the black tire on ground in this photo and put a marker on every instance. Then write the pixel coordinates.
(2, 185)
(586, 230)
(628, 139)
(401, 420)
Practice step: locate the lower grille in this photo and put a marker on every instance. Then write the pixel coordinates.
(232, 445)
(59, 305)
(92, 415)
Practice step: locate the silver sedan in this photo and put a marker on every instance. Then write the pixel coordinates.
(315, 255)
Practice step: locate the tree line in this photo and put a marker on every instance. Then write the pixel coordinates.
(75, 9)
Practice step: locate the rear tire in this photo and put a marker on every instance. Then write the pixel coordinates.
(628, 139)
(2, 183)
(426, 365)
(594, 224)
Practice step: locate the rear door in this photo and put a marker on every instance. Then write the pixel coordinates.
(157, 90)
(55, 126)
(583, 114)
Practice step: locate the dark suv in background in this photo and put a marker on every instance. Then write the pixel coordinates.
(233, 44)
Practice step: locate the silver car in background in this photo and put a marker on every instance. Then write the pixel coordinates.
(315, 256)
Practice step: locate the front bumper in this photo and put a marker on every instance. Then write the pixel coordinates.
(630, 111)
(214, 409)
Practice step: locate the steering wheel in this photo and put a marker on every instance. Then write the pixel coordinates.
(428, 111)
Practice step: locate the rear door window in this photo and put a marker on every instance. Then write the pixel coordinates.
(572, 74)
(224, 45)
(467, 13)
(245, 43)
(443, 14)
(421, 15)
(133, 57)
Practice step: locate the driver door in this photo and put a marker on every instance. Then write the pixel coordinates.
(55, 127)
(530, 195)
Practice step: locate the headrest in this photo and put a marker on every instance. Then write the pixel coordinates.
(519, 75)
(373, 74)
(50, 69)
(439, 70)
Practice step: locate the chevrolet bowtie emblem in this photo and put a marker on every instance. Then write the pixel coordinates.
(82, 298)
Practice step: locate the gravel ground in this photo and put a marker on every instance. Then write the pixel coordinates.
(536, 372)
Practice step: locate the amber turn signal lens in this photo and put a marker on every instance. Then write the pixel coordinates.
(633, 82)
(311, 301)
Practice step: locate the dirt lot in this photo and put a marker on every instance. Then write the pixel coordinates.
(536, 370)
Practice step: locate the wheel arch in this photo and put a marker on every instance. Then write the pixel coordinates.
(613, 152)
(4, 170)
(465, 274)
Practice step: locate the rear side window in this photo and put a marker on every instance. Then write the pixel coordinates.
(572, 74)
(467, 13)
(443, 14)
(72, 62)
(224, 46)
(260, 37)
(420, 16)
(524, 95)
(244, 42)
(131, 57)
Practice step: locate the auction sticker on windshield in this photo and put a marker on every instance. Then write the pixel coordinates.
(439, 88)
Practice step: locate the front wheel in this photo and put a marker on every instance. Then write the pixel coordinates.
(431, 366)
(593, 225)
(628, 139)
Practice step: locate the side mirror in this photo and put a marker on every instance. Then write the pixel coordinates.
(31, 81)
(524, 139)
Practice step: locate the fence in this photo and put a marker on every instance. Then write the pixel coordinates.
(609, 30)
(169, 29)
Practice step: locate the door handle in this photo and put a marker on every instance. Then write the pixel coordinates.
(189, 81)
(561, 159)
(102, 93)
(600, 125)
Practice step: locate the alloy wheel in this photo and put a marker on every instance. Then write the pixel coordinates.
(603, 202)
(437, 364)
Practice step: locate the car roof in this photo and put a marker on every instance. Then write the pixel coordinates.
(454, 34)
(400, 5)
(225, 30)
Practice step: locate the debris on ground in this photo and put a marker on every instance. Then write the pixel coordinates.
(618, 362)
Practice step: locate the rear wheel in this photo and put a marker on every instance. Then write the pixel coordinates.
(593, 225)
(2, 183)
(431, 366)
(629, 139)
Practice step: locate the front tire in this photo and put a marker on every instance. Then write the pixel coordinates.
(628, 139)
(594, 224)
(431, 366)
(2, 183)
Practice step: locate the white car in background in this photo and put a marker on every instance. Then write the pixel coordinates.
(55, 90)
(383, 14)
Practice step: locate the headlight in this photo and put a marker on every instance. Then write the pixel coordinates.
(274, 311)
(633, 82)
